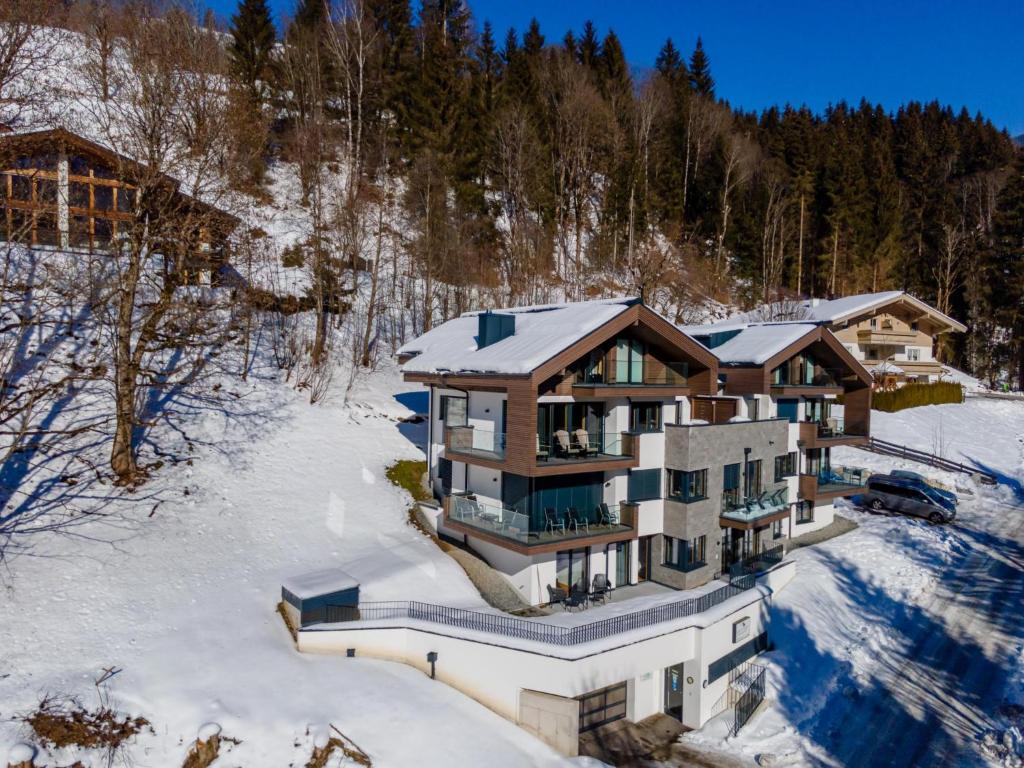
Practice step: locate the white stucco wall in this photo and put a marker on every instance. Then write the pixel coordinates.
(494, 674)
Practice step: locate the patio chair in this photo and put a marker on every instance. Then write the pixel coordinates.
(601, 589)
(563, 445)
(583, 441)
(542, 453)
(832, 426)
(551, 521)
(779, 497)
(556, 595)
(761, 499)
(576, 520)
(577, 598)
(604, 515)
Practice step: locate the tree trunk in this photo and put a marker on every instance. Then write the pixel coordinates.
(800, 251)
(122, 453)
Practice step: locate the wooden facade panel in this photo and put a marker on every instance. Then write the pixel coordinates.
(751, 380)
(714, 410)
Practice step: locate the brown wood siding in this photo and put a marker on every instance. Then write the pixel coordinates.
(809, 437)
(746, 381)
(857, 410)
(714, 410)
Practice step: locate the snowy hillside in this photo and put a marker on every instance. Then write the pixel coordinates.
(180, 596)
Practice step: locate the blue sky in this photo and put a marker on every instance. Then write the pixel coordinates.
(799, 51)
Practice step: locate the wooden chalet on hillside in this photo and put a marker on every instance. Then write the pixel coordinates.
(60, 190)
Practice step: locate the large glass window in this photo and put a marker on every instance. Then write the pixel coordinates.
(754, 478)
(571, 569)
(805, 512)
(553, 418)
(644, 484)
(629, 361)
(688, 486)
(785, 466)
(645, 417)
(453, 411)
(731, 483)
(684, 555)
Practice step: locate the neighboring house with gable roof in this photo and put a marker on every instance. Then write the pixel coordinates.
(892, 333)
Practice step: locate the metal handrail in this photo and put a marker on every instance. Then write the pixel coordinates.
(933, 460)
(552, 634)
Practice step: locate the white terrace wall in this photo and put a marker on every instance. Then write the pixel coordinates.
(494, 674)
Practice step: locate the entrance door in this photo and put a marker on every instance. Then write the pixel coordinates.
(644, 555)
(674, 691)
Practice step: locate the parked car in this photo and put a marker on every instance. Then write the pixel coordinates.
(904, 495)
(922, 482)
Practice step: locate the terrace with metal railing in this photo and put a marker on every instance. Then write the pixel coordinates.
(504, 625)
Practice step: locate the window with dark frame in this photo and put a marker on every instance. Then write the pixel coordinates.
(731, 483)
(785, 466)
(754, 478)
(804, 512)
(684, 555)
(645, 417)
(688, 486)
(644, 484)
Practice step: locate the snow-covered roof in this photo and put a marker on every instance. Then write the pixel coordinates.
(756, 344)
(841, 310)
(541, 332)
(322, 582)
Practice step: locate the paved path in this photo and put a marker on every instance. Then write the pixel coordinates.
(935, 693)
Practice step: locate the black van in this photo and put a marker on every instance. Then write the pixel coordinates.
(902, 495)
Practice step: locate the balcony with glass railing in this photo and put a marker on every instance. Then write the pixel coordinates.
(565, 446)
(546, 526)
(645, 373)
(833, 481)
(756, 508)
(474, 441)
(831, 430)
(804, 374)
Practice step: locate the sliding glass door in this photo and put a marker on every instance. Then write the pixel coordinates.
(571, 569)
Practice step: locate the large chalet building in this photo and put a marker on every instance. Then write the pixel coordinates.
(572, 440)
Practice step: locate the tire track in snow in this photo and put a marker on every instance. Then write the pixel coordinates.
(933, 713)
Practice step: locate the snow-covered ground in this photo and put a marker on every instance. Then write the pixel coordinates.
(899, 643)
(183, 600)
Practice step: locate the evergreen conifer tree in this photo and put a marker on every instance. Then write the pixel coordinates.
(252, 42)
(670, 62)
(700, 71)
(533, 40)
(589, 46)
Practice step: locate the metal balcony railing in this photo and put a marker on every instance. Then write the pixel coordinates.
(538, 631)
